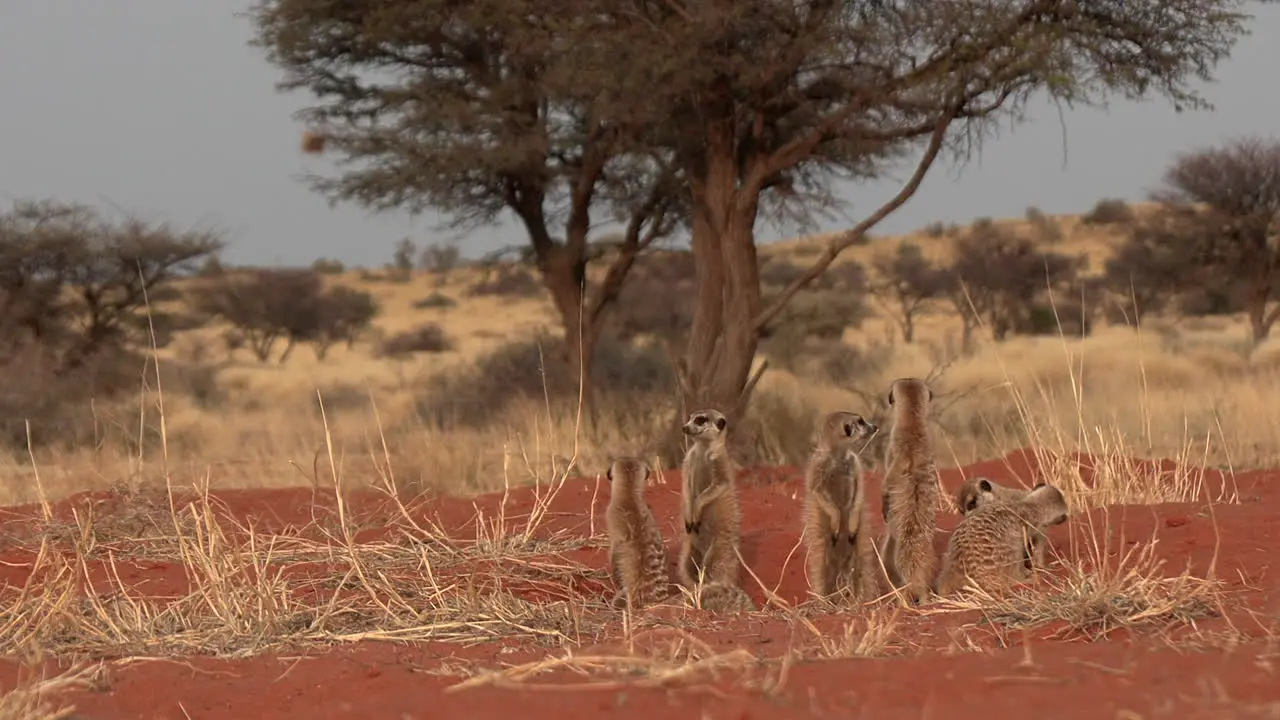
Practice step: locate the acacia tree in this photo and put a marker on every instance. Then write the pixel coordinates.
(475, 109)
(1154, 264)
(1228, 200)
(770, 99)
(904, 282)
(997, 277)
(78, 283)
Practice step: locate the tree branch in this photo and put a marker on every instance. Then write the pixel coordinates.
(859, 231)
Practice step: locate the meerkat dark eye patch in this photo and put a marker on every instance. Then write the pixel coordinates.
(985, 485)
(969, 506)
(700, 420)
(849, 429)
(720, 423)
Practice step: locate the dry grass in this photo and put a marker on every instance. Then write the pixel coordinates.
(31, 699)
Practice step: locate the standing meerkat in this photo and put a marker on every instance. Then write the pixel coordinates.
(712, 517)
(988, 547)
(980, 491)
(910, 492)
(837, 522)
(637, 555)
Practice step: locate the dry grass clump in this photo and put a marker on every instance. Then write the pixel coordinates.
(249, 591)
(662, 657)
(1097, 591)
(31, 700)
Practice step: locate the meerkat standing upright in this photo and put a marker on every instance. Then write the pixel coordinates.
(637, 555)
(910, 492)
(712, 517)
(988, 547)
(980, 491)
(837, 523)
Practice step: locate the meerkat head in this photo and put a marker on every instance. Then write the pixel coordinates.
(840, 426)
(628, 473)
(973, 494)
(705, 425)
(1050, 503)
(906, 394)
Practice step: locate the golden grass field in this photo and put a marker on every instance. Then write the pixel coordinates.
(1188, 388)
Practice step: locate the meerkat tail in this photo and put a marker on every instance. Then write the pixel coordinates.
(724, 597)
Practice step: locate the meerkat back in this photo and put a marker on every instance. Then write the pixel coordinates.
(637, 553)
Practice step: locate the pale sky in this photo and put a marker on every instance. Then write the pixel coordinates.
(161, 107)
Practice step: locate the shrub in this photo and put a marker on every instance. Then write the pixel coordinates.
(427, 338)
(507, 281)
(477, 394)
(1109, 211)
(435, 300)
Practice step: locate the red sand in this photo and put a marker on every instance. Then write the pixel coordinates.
(926, 675)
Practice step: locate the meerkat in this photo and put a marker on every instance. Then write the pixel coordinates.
(837, 523)
(637, 555)
(980, 491)
(712, 517)
(988, 547)
(910, 492)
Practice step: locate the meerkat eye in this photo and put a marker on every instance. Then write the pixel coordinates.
(969, 506)
(984, 485)
(720, 423)
(700, 420)
(848, 429)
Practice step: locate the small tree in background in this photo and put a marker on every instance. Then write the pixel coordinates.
(998, 277)
(904, 282)
(79, 284)
(1157, 262)
(402, 260)
(267, 306)
(342, 314)
(1228, 202)
(81, 298)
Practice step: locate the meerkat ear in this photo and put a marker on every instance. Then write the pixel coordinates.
(648, 471)
(891, 397)
(929, 390)
(1039, 485)
(609, 473)
(721, 422)
(984, 485)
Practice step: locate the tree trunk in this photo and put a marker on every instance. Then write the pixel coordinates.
(723, 337)
(564, 277)
(908, 325)
(1258, 321)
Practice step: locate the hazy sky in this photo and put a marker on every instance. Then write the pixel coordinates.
(161, 107)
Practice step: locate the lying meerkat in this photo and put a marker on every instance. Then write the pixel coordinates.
(837, 523)
(910, 492)
(709, 563)
(988, 547)
(980, 491)
(637, 555)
